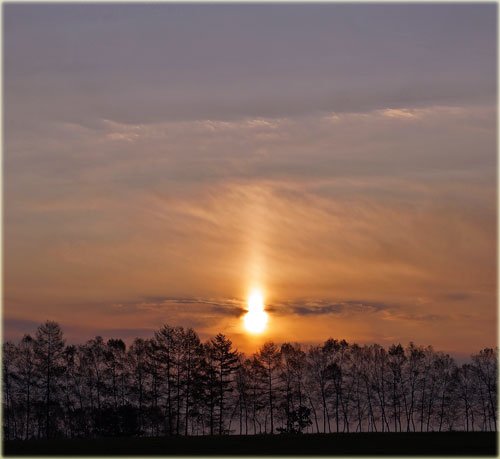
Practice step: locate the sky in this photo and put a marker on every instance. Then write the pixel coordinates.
(160, 161)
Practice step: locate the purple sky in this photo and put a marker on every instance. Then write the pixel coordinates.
(160, 160)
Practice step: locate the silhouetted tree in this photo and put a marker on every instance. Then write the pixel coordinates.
(270, 361)
(485, 365)
(243, 386)
(318, 371)
(397, 358)
(49, 347)
(223, 361)
(138, 367)
(26, 379)
(191, 357)
(9, 398)
(165, 340)
(175, 384)
(114, 359)
(292, 376)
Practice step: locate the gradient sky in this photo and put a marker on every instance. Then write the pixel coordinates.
(159, 160)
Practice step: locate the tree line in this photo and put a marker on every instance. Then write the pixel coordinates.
(175, 384)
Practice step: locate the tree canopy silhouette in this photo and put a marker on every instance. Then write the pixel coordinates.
(174, 384)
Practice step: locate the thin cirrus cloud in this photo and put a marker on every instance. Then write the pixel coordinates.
(181, 64)
(317, 231)
(174, 155)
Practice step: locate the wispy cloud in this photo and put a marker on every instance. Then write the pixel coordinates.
(144, 183)
(322, 307)
(221, 307)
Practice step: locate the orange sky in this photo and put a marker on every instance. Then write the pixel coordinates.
(362, 211)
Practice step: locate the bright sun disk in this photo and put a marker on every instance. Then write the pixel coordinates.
(256, 318)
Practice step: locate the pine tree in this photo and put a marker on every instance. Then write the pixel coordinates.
(49, 346)
(224, 361)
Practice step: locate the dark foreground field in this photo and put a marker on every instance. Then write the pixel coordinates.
(448, 443)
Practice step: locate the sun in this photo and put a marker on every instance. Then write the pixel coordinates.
(255, 319)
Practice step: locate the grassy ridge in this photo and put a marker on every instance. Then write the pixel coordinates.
(433, 443)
